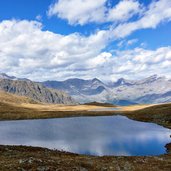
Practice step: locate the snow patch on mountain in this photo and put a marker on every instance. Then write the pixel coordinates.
(153, 89)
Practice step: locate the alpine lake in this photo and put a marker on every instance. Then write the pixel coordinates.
(98, 136)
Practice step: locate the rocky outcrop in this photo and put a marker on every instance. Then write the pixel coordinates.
(35, 91)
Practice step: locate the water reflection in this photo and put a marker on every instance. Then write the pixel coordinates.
(111, 135)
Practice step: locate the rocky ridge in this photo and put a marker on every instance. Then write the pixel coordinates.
(153, 89)
(35, 91)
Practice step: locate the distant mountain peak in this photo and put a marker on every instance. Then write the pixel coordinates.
(35, 91)
(96, 80)
(152, 89)
(123, 81)
(5, 76)
(155, 77)
(73, 79)
(151, 79)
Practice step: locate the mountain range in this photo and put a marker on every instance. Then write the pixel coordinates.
(33, 90)
(5, 76)
(153, 89)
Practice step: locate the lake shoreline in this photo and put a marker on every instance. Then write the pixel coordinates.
(163, 119)
(36, 158)
(21, 157)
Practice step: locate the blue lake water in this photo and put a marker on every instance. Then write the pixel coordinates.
(110, 135)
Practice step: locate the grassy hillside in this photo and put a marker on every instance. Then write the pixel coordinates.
(160, 114)
(14, 107)
(100, 104)
(11, 98)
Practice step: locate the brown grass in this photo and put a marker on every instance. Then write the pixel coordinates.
(18, 107)
(32, 158)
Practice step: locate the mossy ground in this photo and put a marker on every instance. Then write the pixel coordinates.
(31, 158)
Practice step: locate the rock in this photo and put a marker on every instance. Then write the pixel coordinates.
(35, 91)
(83, 169)
(43, 168)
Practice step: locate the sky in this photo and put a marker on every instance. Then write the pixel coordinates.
(105, 39)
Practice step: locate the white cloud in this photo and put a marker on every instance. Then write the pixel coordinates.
(124, 10)
(118, 17)
(28, 51)
(78, 11)
(83, 12)
(39, 17)
(126, 43)
(141, 62)
(157, 12)
(132, 41)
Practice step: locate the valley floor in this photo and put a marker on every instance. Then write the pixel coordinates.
(16, 108)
